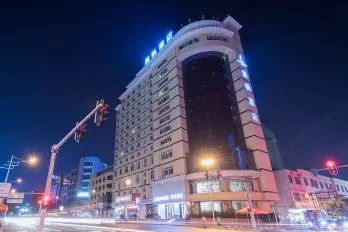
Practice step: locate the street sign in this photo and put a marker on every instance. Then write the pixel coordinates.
(14, 201)
(5, 189)
(16, 195)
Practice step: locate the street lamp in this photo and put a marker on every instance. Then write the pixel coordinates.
(93, 191)
(207, 163)
(13, 190)
(15, 161)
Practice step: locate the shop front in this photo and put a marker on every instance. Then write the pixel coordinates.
(170, 198)
(126, 207)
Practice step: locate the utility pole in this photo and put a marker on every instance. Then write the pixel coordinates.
(252, 215)
(99, 110)
(8, 169)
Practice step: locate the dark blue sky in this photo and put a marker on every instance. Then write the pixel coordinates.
(57, 59)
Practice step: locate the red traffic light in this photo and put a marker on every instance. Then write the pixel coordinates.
(45, 198)
(207, 174)
(219, 174)
(331, 165)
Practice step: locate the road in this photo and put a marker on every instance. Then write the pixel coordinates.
(24, 224)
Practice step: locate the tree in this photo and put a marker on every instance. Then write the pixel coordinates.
(335, 207)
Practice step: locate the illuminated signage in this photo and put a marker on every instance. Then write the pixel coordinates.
(254, 116)
(160, 46)
(251, 101)
(247, 86)
(241, 61)
(126, 198)
(168, 197)
(245, 74)
(83, 194)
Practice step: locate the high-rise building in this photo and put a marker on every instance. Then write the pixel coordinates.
(192, 101)
(273, 149)
(80, 178)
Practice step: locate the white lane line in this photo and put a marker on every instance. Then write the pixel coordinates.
(101, 227)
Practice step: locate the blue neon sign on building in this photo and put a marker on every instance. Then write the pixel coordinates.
(160, 46)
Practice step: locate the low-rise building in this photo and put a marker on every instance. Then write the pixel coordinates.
(101, 193)
(303, 193)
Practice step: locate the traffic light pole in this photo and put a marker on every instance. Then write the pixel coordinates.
(54, 151)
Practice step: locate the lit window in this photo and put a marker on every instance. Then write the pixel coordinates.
(153, 53)
(245, 74)
(247, 86)
(251, 101)
(254, 116)
(161, 45)
(147, 60)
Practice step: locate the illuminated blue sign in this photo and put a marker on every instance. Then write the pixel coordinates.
(251, 101)
(245, 74)
(254, 116)
(247, 86)
(160, 46)
(241, 61)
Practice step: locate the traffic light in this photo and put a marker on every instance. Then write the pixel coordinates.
(99, 115)
(219, 174)
(79, 132)
(207, 174)
(45, 202)
(332, 167)
(248, 208)
(275, 208)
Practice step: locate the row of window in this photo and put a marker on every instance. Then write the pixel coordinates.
(164, 119)
(314, 183)
(167, 171)
(216, 37)
(162, 63)
(165, 129)
(187, 43)
(162, 82)
(166, 155)
(163, 100)
(164, 109)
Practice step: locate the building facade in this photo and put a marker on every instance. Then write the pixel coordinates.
(101, 192)
(303, 194)
(80, 181)
(273, 149)
(192, 101)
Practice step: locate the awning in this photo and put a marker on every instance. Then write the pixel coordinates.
(3, 207)
(246, 211)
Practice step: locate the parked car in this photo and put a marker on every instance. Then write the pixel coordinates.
(152, 216)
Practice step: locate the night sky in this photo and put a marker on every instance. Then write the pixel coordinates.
(58, 58)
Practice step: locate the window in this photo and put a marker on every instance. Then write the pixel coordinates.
(165, 129)
(138, 164)
(87, 170)
(137, 179)
(152, 175)
(216, 37)
(162, 63)
(162, 82)
(85, 184)
(305, 181)
(312, 182)
(145, 162)
(121, 171)
(338, 187)
(297, 196)
(297, 180)
(132, 167)
(167, 171)
(208, 187)
(316, 184)
(326, 186)
(126, 169)
(321, 185)
(162, 73)
(290, 179)
(187, 43)
(166, 140)
(164, 119)
(240, 185)
(151, 158)
(346, 189)
(166, 155)
(109, 177)
(88, 163)
(163, 100)
(86, 177)
(164, 109)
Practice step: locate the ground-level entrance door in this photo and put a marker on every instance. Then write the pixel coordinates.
(169, 211)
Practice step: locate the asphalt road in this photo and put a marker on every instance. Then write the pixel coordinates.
(22, 224)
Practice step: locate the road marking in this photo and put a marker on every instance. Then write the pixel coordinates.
(101, 227)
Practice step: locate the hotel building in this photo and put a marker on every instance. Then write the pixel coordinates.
(192, 101)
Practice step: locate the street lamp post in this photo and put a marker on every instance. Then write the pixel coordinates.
(14, 162)
(206, 163)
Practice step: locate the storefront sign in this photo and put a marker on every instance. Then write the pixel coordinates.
(173, 191)
(126, 198)
(169, 197)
